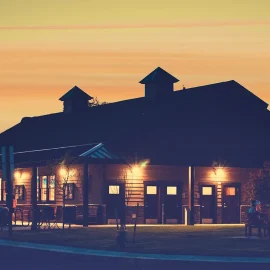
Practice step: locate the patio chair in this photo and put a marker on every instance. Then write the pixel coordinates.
(3, 217)
(49, 218)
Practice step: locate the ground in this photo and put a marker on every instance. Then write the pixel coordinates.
(190, 240)
(24, 259)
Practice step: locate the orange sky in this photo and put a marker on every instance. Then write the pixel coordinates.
(107, 47)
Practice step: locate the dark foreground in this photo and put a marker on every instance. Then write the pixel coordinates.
(28, 259)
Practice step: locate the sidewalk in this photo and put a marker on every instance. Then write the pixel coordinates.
(114, 254)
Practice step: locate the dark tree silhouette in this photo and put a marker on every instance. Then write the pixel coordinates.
(258, 186)
(96, 102)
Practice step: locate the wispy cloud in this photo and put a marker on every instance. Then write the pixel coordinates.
(127, 26)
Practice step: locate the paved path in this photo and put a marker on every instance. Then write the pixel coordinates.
(134, 256)
(16, 258)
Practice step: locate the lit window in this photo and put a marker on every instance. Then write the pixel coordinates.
(151, 190)
(230, 191)
(46, 188)
(171, 191)
(114, 189)
(51, 188)
(207, 191)
(2, 190)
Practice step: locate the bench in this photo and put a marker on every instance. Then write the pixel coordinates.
(265, 227)
(92, 215)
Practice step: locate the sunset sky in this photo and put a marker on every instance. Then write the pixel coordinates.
(106, 47)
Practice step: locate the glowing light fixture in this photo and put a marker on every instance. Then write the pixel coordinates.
(17, 175)
(63, 172)
(219, 172)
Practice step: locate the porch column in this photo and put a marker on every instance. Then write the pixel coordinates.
(191, 181)
(85, 193)
(34, 198)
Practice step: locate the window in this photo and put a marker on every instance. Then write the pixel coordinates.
(114, 189)
(151, 190)
(2, 190)
(46, 188)
(171, 191)
(69, 191)
(230, 191)
(207, 191)
(19, 192)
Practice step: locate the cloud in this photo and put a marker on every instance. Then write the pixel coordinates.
(127, 26)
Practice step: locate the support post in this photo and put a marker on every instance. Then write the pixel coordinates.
(85, 192)
(9, 184)
(191, 183)
(34, 198)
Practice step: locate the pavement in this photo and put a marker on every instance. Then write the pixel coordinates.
(123, 258)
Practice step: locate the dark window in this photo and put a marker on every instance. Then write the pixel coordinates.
(69, 191)
(46, 188)
(2, 190)
(19, 192)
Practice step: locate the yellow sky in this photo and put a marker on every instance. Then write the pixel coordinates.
(106, 47)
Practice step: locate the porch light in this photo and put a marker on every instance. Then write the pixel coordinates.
(137, 169)
(219, 172)
(63, 172)
(17, 175)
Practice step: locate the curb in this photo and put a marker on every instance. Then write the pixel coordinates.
(127, 255)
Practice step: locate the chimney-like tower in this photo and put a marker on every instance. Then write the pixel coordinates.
(158, 84)
(75, 100)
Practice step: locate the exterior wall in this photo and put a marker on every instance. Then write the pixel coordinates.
(99, 175)
(24, 177)
(206, 175)
(135, 178)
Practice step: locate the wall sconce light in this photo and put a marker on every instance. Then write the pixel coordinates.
(219, 172)
(17, 174)
(137, 169)
(63, 172)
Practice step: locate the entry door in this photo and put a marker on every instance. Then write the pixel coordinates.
(115, 200)
(207, 204)
(151, 203)
(172, 204)
(231, 204)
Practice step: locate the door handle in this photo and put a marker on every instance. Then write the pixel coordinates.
(202, 206)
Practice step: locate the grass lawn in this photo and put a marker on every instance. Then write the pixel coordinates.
(190, 240)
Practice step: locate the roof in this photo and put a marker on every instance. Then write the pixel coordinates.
(196, 125)
(75, 93)
(159, 75)
(94, 152)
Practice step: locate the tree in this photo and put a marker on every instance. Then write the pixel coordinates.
(64, 170)
(258, 186)
(96, 102)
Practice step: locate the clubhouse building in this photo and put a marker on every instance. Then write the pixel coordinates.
(169, 157)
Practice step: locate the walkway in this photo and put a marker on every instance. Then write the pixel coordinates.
(126, 255)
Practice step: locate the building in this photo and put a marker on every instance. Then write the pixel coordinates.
(164, 155)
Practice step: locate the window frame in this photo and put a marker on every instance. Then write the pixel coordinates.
(17, 188)
(2, 190)
(39, 189)
(70, 185)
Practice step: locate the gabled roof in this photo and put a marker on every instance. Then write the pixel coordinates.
(75, 93)
(94, 152)
(159, 75)
(192, 125)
